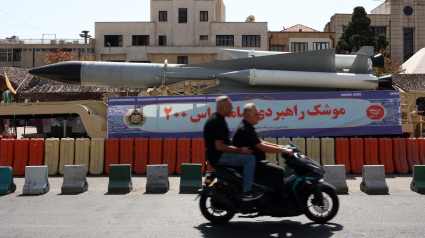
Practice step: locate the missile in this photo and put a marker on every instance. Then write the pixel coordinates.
(296, 72)
(308, 79)
(341, 61)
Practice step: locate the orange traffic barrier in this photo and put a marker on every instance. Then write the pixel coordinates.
(412, 153)
(399, 155)
(36, 153)
(421, 144)
(112, 152)
(356, 155)
(342, 153)
(198, 152)
(7, 152)
(371, 151)
(21, 156)
(155, 150)
(141, 155)
(170, 154)
(386, 154)
(127, 152)
(183, 153)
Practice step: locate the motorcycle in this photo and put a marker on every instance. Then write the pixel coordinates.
(303, 193)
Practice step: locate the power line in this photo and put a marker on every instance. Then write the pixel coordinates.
(23, 22)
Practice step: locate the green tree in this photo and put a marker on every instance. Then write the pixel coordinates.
(358, 34)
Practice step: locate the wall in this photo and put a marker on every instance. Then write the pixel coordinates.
(285, 39)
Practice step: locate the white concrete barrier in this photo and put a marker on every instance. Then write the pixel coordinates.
(36, 180)
(157, 179)
(335, 175)
(373, 180)
(74, 179)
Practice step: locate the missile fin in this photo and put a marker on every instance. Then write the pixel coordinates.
(307, 61)
(365, 50)
(360, 65)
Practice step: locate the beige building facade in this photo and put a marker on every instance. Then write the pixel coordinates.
(181, 31)
(31, 53)
(402, 21)
(300, 38)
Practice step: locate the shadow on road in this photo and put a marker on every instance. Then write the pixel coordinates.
(285, 228)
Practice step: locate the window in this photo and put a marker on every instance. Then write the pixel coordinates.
(162, 15)
(182, 15)
(222, 40)
(6, 55)
(139, 61)
(162, 40)
(299, 46)
(378, 30)
(408, 43)
(320, 45)
(278, 48)
(251, 41)
(204, 16)
(114, 40)
(203, 37)
(140, 40)
(182, 59)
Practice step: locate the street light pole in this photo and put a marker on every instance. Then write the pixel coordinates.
(109, 51)
(85, 36)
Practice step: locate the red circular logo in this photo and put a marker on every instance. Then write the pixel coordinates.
(375, 112)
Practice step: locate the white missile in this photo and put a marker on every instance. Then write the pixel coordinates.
(341, 61)
(306, 79)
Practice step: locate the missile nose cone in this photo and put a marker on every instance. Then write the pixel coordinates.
(65, 72)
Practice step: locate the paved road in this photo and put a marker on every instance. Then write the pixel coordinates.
(97, 214)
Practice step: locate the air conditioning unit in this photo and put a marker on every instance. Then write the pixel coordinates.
(61, 42)
(21, 42)
(53, 41)
(76, 42)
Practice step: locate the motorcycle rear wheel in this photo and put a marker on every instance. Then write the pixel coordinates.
(213, 214)
(325, 213)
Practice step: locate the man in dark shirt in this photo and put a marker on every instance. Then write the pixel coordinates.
(220, 152)
(245, 136)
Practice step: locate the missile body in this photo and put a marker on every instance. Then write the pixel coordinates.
(341, 61)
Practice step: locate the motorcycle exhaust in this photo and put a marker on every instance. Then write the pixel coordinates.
(220, 198)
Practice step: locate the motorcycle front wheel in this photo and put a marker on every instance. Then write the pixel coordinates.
(325, 213)
(212, 213)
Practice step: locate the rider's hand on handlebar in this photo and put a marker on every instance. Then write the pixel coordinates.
(288, 151)
(245, 150)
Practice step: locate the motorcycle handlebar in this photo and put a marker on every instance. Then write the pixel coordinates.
(292, 147)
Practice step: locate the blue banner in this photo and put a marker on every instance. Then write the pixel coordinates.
(281, 114)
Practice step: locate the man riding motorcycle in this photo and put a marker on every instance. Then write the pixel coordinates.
(245, 136)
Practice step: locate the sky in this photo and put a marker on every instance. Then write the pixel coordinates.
(30, 19)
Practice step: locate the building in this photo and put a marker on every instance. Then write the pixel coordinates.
(402, 21)
(300, 38)
(31, 53)
(181, 31)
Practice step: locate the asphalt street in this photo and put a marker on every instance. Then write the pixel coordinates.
(96, 213)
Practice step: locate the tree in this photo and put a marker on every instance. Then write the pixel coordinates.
(358, 33)
(62, 56)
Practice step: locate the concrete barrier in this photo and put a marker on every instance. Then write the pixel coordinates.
(335, 175)
(120, 178)
(191, 178)
(418, 182)
(157, 179)
(36, 180)
(6, 181)
(373, 180)
(74, 179)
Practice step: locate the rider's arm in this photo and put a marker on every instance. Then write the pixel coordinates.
(219, 145)
(266, 148)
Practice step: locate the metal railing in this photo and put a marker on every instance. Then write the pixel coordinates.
(43, 41)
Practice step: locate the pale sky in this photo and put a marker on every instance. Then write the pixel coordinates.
(67, 19)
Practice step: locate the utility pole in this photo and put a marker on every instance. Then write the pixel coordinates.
(85, 36)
